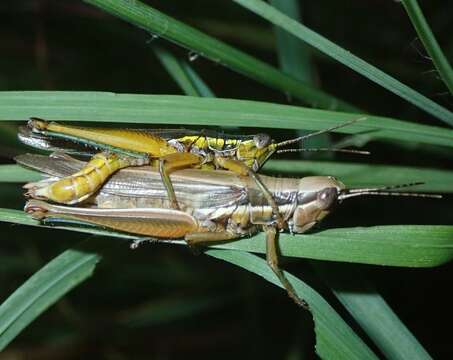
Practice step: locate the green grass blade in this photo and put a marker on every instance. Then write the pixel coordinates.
(173, 66)
(393, 245)
(47, 286)
(19, 217)
(187, 79)
(371, 312)
(334, 338)
(345, 57)
(166, 27)
(429, 41)
(202, 88)
(15, 173)
(294, 56)
(295, 59)
(365, 175)
(171, 109)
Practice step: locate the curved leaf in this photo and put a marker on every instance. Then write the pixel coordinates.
(47, 286)
(334, 338)
(171, 109)
(371, 311)
(345, 57)
(429, 41)
(365, 175)
(161, 25)
(395, 245)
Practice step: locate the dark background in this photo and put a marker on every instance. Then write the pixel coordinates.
(190, 305)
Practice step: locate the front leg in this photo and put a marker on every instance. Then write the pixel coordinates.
(79, 186)
(272, 261)
(242, 169)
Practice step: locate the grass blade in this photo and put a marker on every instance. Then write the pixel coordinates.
(171, 109)
(295, 59)
(294, 56)
(187, 79)
(363, 175)
(47, 286)
(15, 173)
(171, 29)
(174, 67)
(19, 217)
(429, 41)
(203, 89)
(343, 56)
(334, 338)
(393, 245)
(371, 311)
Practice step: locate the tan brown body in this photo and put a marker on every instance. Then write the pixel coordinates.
(215, 205)
(233, 203)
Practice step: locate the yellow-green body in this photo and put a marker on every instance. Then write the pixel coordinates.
(130, 147)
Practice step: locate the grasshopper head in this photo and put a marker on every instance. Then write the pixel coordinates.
(316, 198)
(255, 152)
(318, 195)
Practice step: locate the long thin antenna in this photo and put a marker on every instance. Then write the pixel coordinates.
(390, 187)
(383, 191)
(292, 141)
(348, 151)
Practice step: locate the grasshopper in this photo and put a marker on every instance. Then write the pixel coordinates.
(228, 207)
(169, 150)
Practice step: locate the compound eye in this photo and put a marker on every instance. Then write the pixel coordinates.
(261, 140)
(327, 198)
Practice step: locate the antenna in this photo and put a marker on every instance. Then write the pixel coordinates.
(384, 191)
(292, 141)
(348, 151)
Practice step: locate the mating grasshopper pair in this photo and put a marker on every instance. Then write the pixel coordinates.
(211, 205)
(169, 150)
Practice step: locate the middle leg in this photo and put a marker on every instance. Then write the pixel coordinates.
(173, 162)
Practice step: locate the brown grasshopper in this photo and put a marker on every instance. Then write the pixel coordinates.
(215, 205)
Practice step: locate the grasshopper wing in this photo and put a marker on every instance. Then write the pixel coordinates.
(57, 165)
(143, 185)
